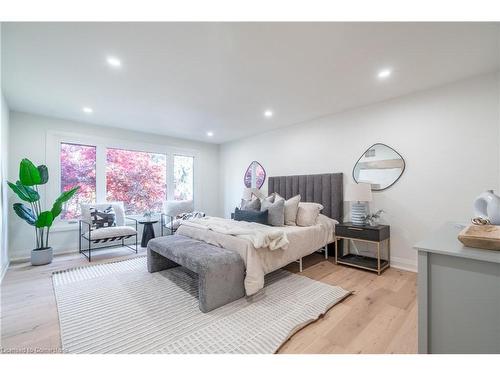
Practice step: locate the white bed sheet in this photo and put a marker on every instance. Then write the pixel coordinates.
(259, 262)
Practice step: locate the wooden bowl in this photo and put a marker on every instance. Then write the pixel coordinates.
(481, 236)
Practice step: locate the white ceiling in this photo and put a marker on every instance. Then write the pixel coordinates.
(184, 79)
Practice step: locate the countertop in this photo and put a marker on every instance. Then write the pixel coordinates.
(444, 241)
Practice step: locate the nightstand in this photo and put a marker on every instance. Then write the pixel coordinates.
(377, 234)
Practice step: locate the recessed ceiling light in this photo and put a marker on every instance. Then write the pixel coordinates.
(268, 113)
(384, 73)
(87, 110)
(114, 62)
(210, 134)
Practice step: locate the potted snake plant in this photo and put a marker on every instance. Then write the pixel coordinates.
(26, 188)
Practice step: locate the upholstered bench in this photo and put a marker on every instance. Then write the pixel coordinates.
(221, 272)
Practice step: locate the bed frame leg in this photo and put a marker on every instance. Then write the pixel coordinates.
(300, 265)
(326, 252)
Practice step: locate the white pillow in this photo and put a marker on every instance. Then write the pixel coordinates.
(308, 213)
(291, 208)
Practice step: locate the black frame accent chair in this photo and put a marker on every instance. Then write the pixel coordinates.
(170, 211)
(108, 235)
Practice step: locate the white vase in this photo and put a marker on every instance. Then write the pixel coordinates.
(487, 206)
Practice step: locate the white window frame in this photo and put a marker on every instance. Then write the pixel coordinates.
(194, 172)
(53, 162)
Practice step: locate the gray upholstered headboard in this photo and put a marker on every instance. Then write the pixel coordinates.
(326, 189)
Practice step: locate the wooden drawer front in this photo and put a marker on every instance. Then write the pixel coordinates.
(358, 232)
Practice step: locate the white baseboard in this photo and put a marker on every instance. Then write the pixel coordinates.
(404, 264)
(396, 262)
(28, 259)
(4, 271)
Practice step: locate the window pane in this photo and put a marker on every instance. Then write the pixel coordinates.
(183, 177)
(77, 168)
(136, 178)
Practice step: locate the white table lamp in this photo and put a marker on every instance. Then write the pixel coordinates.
(358, 194)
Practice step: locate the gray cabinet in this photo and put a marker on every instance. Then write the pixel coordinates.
(458, 295)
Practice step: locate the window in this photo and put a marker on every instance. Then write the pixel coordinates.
(140, 175)
(78, 167)
(183, 177)
(136, 178)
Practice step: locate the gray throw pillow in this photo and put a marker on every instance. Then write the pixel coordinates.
(276, 211)
(269, 199)
(251, 216)
(308, 213)
(250, 205)
(291, 208)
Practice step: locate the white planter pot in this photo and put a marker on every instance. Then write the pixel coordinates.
(41, 256)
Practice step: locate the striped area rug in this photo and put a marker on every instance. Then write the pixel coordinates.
(121, 308)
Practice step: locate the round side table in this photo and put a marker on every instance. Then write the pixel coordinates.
(148, 231)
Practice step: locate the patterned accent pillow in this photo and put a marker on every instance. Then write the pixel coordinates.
(102, 219)
(250, 205)
(251, 216)
(177, 221)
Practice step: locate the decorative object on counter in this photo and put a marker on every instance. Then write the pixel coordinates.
(487, 206)
(26, 188)
(481, 236)
(380, 166)
(480, 221)
(255, 175)
(148, 215)
(372, 219)
(358, 194)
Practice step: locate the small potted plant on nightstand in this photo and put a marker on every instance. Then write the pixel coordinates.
(30, 177)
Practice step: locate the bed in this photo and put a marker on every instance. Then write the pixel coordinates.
(326, 189)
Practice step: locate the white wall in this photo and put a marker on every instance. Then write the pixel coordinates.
(28, 137)
(4, 206)
(449, 137)
(4, 141)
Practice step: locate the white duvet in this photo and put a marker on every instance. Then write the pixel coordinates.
(259, 235)
(252, 241)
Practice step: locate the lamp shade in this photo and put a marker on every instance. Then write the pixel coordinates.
(358, 193)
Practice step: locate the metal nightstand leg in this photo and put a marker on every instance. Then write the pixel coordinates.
(378, 258)
(388, 252)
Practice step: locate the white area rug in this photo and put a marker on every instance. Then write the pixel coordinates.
(121, 308)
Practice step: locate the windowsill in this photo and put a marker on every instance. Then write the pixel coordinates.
(64, 226)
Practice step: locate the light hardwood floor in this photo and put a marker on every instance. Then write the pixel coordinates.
(379, 317)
